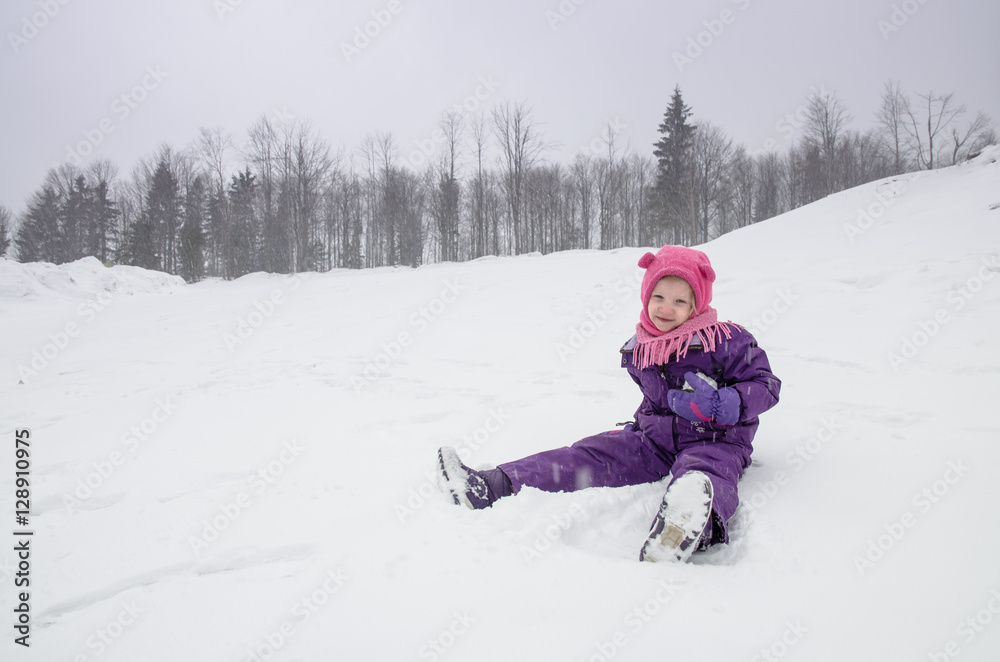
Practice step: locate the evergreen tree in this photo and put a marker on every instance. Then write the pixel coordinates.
(352, 223)
(38, 238)
(140, 243)
(5, 217)
(73, 219)
(163, 212)
(445, 212)
(241, 254)
(218, 233)
(404, 209)
(102, 218)
(673, 160)
(192, 253)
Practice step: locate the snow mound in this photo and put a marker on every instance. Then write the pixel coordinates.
(84, 278)
(990, 154)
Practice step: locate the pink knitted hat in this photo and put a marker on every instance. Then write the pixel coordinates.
(688, 263)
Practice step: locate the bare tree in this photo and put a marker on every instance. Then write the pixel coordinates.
(371, 215)
(583, 175)
(385, 160)
(768, 175)
(826, 119)
(477, 222)
(312, 168)
(452, 125)
(128, 192)
(269, 160)
(927, 121)
(210, 149)
(977, 135)
(608, 191)
(712, 154)
(446, 197)
(520, 148)
(864, 158)
(742, 180)
(392, 198)
(542, 205)
(404, 208)
(640, 179)
(891, 118)
(5, 229)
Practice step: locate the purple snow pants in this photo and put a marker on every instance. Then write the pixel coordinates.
(625, 457)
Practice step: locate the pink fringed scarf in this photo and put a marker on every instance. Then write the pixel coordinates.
(656, 349)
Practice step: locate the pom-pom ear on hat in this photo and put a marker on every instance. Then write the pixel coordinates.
(707, 271)
(646, 260)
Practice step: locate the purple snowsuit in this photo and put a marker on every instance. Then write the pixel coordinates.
(660, 442)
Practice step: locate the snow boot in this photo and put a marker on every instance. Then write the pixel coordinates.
(474, 489)
(684, 522)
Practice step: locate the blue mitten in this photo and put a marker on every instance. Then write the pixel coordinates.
(705, 403)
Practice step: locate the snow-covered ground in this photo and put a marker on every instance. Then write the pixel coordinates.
(241, 471)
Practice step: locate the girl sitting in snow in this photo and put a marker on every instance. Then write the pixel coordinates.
(704, 383)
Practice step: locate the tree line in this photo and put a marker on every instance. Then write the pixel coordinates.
(295, 204)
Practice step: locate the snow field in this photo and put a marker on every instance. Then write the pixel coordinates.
(243, 470)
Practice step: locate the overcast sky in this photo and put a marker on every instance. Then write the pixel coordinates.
(119, 78)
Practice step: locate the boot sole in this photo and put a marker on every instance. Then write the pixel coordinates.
(681, 521)
(451, 478)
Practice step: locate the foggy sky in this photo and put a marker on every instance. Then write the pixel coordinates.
(118, 79)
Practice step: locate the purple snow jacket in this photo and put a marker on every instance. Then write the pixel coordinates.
(737, 362)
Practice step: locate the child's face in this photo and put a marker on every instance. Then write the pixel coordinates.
(671, 303)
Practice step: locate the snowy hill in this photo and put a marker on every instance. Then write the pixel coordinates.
(241, 470)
